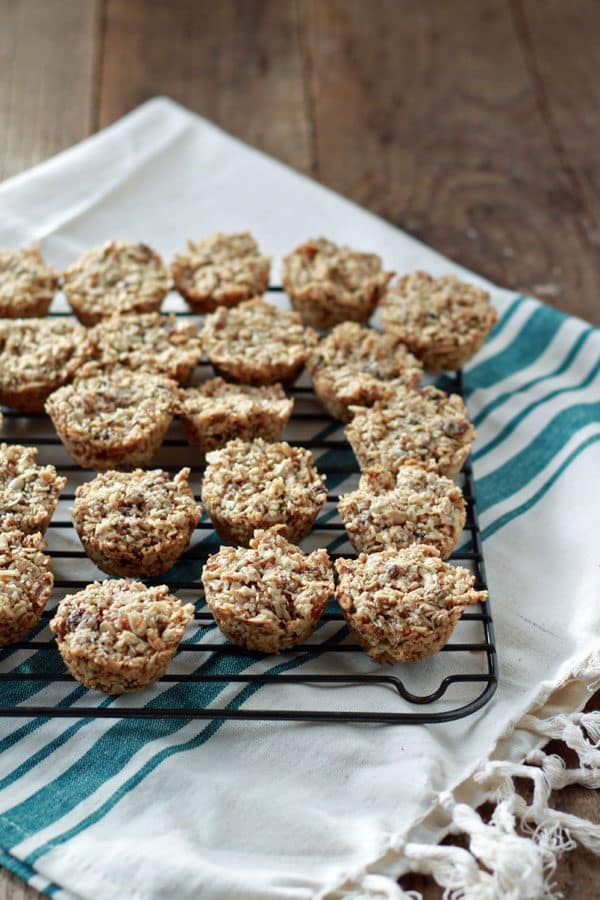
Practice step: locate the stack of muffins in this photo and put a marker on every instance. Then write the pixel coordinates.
(112, 384)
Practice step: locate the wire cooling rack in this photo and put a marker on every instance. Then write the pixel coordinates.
(213, 679)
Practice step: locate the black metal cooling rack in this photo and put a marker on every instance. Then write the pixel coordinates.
(477, 672)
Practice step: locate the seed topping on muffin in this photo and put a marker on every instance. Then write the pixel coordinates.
(36, 357)
(423, 424)
(119, 635)
(443, 321)
(216, 412)
(269, 596)
(257, 343)
(150, 342)
(107, 421)
(27, 283)
(249, 486)
(29, 493)
(26, 583)
(136, 523)
(413, 505)
(355, 366)
(220, 270)
(402, 605)
(118, 277)
(328, 284)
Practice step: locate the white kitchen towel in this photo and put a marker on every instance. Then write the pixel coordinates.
(187, 809)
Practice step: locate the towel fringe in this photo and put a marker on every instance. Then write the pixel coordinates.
(513, 856)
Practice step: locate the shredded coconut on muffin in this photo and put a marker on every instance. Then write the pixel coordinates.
(413, 505)
(27, 283)
(216, 412)
(270, 596)
(443, 321)
(107, 421)
(118, 277)
(150, 342)
(36, 357)
(423, 424)
(402, 605)
(355, 366)
(257, 343)
(118, 636)
(136, 523)
(328, 284)
(249, 486)
(220, 270)
(26, 583)
(29, 493)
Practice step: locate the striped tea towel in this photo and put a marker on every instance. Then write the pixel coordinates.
(160, 809)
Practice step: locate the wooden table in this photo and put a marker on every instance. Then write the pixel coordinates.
(473, 125)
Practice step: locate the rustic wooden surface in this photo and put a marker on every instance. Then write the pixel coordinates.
(474, 126)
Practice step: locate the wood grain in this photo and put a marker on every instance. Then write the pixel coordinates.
(48, 55)
(475, 126)
(428, 113)
(238, 63)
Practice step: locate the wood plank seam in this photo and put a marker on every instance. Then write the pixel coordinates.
(530, 60)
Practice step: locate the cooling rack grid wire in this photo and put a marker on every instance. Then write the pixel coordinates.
(211, 678)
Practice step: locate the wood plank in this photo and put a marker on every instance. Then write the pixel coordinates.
(238, 63)
(47, 71)
(428, 115)
(560, 45)
(12, 888)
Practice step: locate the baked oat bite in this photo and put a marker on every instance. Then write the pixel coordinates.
(149, 342)
(113, 421)
(216, 412)
(26, 583)
(254, 485)
(328, 284)
(257, 343)
(118, 277)
(422, 425)
(402, 605)
(220, 270)
(270, 596)
(136, 523)
(355, 366)
(27, 283)
(443, 321)
(37, 356)
(29, 493)
(118, 636)
(414, 505)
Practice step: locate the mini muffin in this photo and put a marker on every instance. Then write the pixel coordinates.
(402, 605)
(248, 486)
(426, 425)
(136, 523)
(220, 270)
(119, 636)
(443, 321)
(29, 493)
(355, 366)
(37, 356)
(118, 277)
(328, 284)
(394, 510)
(149, 342)
(216, 412)
(26, 583)
(27, 283)
(112, 421)
(257, 343)
(270, 596)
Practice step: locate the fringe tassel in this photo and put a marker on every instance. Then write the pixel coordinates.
(514, 855)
